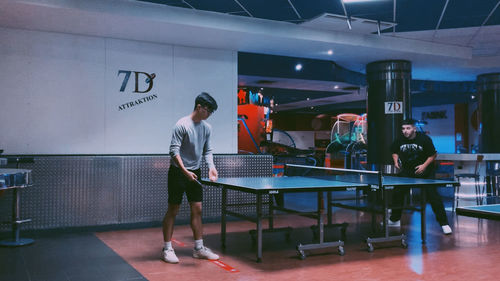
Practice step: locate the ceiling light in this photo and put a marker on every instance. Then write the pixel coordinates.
(330, 52)
(336, 87)
(298, 67)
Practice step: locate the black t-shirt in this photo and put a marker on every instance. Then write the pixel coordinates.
(413, 153)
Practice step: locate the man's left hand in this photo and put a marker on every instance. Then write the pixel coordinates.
(420, 169)
(212, 174)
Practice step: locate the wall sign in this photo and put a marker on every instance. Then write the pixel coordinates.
(393, 107)
(434, 115)
(140, 87)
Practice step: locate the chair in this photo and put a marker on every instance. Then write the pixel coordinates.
(480, 188)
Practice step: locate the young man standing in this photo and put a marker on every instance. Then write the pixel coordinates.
(414, 155)
(190, 141)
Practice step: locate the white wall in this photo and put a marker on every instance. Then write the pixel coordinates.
(60, 93)
(441, 131)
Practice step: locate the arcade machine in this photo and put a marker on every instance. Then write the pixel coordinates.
(348, 142)
(256, 134)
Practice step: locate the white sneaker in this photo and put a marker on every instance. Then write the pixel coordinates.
(446, 229)
(205, 253)
(168, 255)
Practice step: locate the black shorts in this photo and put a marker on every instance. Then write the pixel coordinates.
(178, 183)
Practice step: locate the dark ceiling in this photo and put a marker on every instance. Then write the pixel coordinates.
(327, 74)
(410, 15)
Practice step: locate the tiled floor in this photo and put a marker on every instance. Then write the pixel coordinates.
(471, 253)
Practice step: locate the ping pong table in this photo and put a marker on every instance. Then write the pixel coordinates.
(372, 180)
(482, 211)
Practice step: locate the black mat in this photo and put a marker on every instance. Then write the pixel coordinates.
(68, 257)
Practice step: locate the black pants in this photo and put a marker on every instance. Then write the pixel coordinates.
(432, 197)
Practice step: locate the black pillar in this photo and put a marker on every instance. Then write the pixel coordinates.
(388, 105)
(488, 88)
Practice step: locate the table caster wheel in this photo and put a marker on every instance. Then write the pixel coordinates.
(341, 251)
(370, 247)
(302, 255)
(404, 244)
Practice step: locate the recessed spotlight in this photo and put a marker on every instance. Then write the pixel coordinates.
(298, 67)
(330, 52)
(307, 99)
(336, 87)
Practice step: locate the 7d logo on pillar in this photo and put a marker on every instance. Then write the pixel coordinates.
(393, 107)
(143, 84)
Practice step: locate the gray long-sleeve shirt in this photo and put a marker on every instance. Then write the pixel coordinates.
(191, 141)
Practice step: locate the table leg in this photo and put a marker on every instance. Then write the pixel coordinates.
(386, 212)
(320, 217)
(259, 227)
(329, 211)
(386, 237)
(16, 222)
(271, 212)
(373, 195)
(223, 218)
(423, 227)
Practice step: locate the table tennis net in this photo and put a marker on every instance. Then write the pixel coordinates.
(345, 175)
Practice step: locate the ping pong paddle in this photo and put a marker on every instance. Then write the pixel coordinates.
(198, 182)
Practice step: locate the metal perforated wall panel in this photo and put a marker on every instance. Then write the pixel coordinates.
(78, 191)
(235, 166)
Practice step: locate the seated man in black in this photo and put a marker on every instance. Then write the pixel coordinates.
(413, 154)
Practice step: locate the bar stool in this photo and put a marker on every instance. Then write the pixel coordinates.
(15, 179)
(480, 188)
